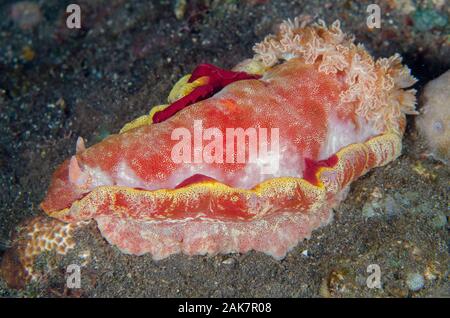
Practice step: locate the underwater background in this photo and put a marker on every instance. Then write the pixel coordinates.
(57, 84)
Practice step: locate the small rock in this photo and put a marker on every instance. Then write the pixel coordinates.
(370, 211)
(28, 53)
(423, 208)
(229, 261)
(415, 281)
(405, 6)
(427, 19)
(396, 289)
(391, 207)
(438, 221)
(180, 9)
(380, 206)
(61, 103)
(26, 14)
(431, 272)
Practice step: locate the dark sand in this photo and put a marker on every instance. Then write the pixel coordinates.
(125, 59)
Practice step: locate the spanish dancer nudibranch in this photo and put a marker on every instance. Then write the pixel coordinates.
(337, 113)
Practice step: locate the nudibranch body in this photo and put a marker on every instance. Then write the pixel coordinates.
(326, 111)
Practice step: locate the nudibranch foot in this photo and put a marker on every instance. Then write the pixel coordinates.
(274, 235)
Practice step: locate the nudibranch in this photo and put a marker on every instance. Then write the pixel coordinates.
(333, 113)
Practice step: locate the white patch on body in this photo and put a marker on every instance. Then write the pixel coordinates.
(343, 133)
(126, 177)
(99, 177)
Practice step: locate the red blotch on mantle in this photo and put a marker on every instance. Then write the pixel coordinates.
(312, 167)
(217, 79)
